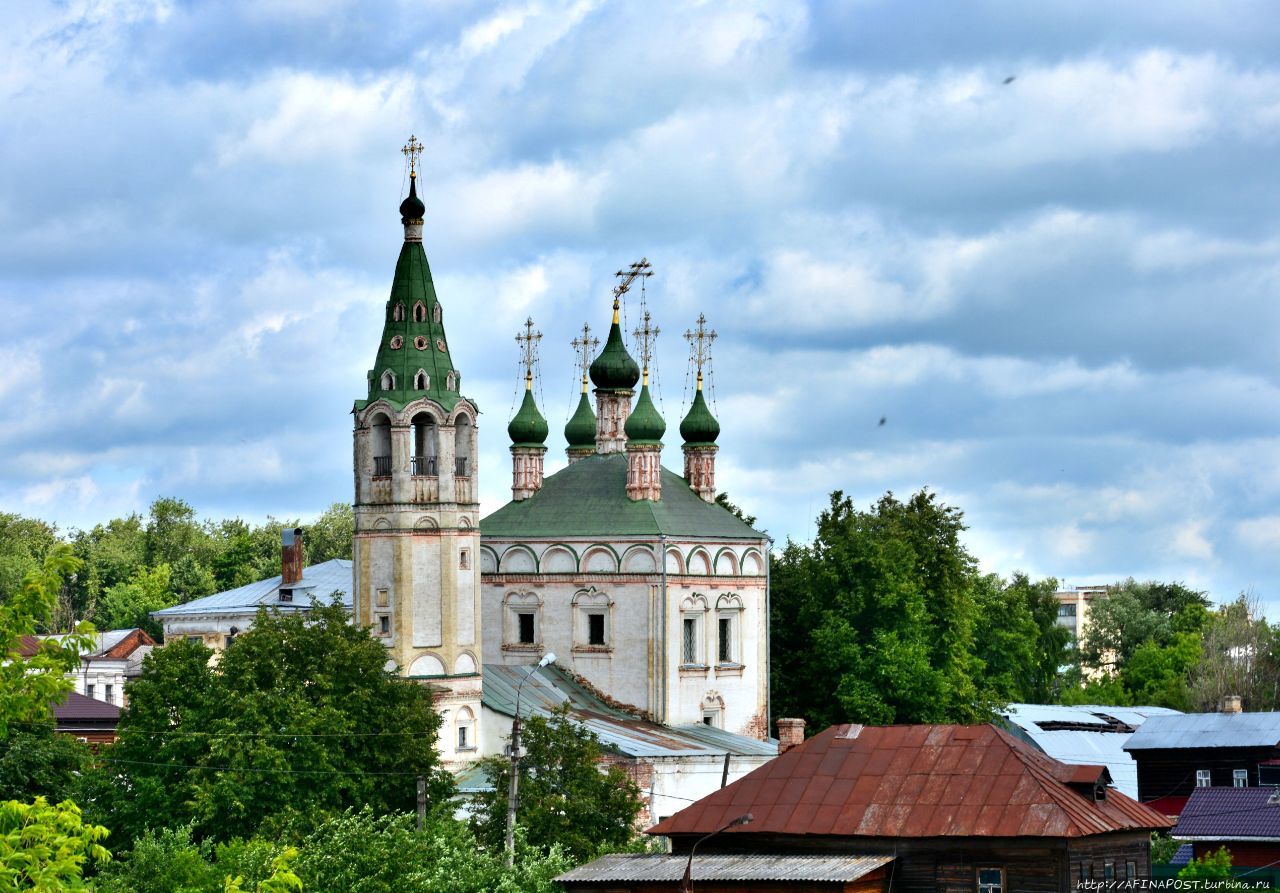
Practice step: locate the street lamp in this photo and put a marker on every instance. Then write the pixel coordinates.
(512, 788)
(686, 883)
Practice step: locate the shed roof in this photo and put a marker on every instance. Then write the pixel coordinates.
(1231, 814)
(916, 781)
(1188, 730)
(652, 868)
(1086, 734)
(589, 498)
(619, 731)
(323, 579)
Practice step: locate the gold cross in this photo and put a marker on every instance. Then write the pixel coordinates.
(647, 333)
(641, 268)
(411, 151)
(528, 341)
(700, 345)
(583, 348)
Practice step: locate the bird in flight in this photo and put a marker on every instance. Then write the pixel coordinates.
(1010, 79)
(883, 419)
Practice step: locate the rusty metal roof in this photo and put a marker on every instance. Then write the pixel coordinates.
(916, 781)
(649, 868)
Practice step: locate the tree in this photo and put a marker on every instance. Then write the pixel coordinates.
(23, 544)
(1239, 658)
(36, 761)
(722, 500)
(129, 605)
(109, 554)
(45, 847)
(330, 535)
(1009, 644)
(172, 531)
(565, 798)
(298, 719)
(1214, 866)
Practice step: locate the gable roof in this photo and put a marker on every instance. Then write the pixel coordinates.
(75, 709)
(589, 498)
(1231, 813)
(322, 579)
(917, 781)
(1188, 730)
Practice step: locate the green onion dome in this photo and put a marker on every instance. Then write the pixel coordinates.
(528, 428)
(699, 426)
(645, 425)
(581, 429)
(614, 369)
(412, 208)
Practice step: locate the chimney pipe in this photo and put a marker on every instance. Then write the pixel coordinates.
(1230, 704)
(290, 556)
(790, 733)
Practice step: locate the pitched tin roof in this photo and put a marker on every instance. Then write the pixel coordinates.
(325, 578)
(916, 781)
(549, 688)
(1207, 730)
(589, 498)
(1231, 813)
(77, 709)
(653, 868)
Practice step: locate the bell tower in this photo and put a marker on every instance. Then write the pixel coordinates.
(417, 536)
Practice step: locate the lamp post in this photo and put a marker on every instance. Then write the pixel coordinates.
(513, 787)
(686, 883)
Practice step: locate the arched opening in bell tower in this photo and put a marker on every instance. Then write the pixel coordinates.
(425, 444)
(381, 444)
(462, 446)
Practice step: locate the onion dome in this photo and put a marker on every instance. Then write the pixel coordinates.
(645, 425)
(614, 369)
(581, 429)
(528, 428)
(699, 426)
(412, 209)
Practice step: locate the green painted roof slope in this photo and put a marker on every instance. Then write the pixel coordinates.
(412, 284)
(528, 428)
(589, 498)
(581, 428)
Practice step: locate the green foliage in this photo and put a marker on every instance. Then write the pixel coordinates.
(45, 847)
(29, 685)
(722, 500)
(23, 544)
(35, 761)
(1215, 866)
(126, 605)
(330, 535)
(1239, 658)
(281, 880)
(1022, 647)
(164, 861)
(565, 800)
(1163, 848)
(296, 721)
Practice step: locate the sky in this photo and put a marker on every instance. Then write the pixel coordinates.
(1040, 241)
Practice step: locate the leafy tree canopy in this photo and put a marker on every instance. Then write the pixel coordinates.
(45, 847)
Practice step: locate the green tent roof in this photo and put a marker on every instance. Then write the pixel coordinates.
(589, 498)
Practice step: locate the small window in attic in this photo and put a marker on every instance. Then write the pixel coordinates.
(451, 383)
(396, 342)
(435, 312)
(419, 312)
(397, 313)
(422, 381)
(388, 381)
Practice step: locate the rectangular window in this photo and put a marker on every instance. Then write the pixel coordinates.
(1131, 870)
(110, 694)
(1066, 610)
(726, 640)
(990, 880)
(1108, 871)
(88, 690)
(1240, 778)
(689, 649)
(384, 625)
(526, 628)
(463, 742)
(1203, 779)
(195, 638)
(384, 598)
(464, 559)
(1086, 871)
(595, 629)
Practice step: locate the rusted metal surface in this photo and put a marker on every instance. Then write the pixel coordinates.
(643, 867)
(290, 556)
(916, 781)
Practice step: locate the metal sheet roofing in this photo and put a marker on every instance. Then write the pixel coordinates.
(916, 781)
(589, 498)
(1231, 813)
(548, 688)
(76, 708)
(324, 579)
(1207, 730)
(650, 868)
(1087, 734)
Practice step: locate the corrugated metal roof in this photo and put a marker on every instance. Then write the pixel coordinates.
(548, 688)
(324, 579)
(1207, 730)
(1042, 725)
(650, 868)
(914, 781)
(1233, 813)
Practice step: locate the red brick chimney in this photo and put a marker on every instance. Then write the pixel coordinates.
(290, 556)
(790, 733)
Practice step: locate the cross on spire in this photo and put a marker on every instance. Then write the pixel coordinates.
(700, 340)
(583, 348)
(528, 341)
(411, 151)
(639, 270)
(647, 333)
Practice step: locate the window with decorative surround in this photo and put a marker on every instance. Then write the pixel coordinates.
(728, 630)
(693, 613)
(592, 620)
(522, 622)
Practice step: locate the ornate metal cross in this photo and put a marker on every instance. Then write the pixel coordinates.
(411, 151)
(528, 341)
(641, 268)
(646, 333)
(583, 348)
(700, 340)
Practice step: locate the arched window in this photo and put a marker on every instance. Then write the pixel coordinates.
(388, 380)
(424, 444)
(451, 382)
(397, 312)
(419, 312)
(462, 446)
(422, 381)
(435, 312)
(380, 443)
(466, 729)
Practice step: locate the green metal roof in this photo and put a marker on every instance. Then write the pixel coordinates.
(645, 423)
(528, 428)
(699, 426)
(589, 498)
(581, 429)
(614, 369)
